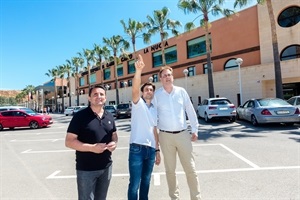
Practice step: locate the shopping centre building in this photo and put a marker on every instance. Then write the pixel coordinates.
(246, 36)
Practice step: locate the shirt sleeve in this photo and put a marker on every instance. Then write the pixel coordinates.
(189, 108)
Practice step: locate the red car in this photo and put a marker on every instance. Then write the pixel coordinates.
(18, 118)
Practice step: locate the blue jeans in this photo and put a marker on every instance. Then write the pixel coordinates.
(93, 185)
(141, 161)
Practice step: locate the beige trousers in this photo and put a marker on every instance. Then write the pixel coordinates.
(180, 143)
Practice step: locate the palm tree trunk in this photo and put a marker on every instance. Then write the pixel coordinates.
(116, 78)
(209, 68)
(277, 66)
(162, 50)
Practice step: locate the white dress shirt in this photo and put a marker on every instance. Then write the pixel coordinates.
(171, 108)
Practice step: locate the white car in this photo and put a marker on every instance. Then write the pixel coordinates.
(295, 101)
(217, 108)
(69, 111)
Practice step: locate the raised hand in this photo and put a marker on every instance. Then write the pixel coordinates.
(139, 64)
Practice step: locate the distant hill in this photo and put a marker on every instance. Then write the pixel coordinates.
(9, 93)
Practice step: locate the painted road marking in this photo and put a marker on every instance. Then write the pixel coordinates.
(157, 175)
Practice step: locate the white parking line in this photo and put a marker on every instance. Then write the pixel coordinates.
(156, 175)
(40, 140)
(233, 152)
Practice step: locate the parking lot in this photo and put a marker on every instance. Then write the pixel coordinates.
(233, 160)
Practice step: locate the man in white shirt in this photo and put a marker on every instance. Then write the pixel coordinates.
(172, 102)
(144, 149)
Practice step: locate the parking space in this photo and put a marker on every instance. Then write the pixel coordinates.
(233, 160)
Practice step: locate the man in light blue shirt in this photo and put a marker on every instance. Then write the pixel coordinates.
(144, 148)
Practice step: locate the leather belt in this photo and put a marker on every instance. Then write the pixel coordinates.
(173, 132)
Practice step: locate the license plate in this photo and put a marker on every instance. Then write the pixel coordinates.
(123, 112)
(223, 108)
(283, 112)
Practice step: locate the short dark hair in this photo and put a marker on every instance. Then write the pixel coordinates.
(96, 86)
(148, 83)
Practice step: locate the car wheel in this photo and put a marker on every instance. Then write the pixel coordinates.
(1, 127)
(232, 119)
(289, 124)
(254, 120)
(206, 119)
(34, 125)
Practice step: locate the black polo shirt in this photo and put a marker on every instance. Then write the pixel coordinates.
(91, 129)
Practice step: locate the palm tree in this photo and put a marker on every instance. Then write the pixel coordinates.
(160, 23)
(61, 73)
(100, 55)
(77, 62)
(117, 44)
(205, 7)
(88, 55)
(68, 68)
(276, 56)
(53, 73)
(132, 30)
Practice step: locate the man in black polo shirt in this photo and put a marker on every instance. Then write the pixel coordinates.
(92, 133)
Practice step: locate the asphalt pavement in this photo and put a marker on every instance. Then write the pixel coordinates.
(234, 161)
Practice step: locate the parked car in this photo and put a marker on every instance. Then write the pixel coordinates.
(112, 109)
(78, 108)
(69, 110)
(123, 110)
(295, 101)
(19, 118)
(268, 110)
(217, 108)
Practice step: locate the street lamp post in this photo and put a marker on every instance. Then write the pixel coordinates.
(239, 61)
(42, 98)
(125, 85)
(185, 71)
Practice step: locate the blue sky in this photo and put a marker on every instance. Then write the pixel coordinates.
(37, 35)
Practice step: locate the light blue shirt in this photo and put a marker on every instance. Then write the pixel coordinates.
(171, 108)
(143, 121)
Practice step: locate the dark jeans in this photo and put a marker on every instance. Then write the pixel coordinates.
(141, 161)
(93, 185)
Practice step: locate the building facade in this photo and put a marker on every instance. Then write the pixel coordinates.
(246, 36)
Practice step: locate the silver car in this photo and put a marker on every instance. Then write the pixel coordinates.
(216, 108)
(295, 101)
(268, 110)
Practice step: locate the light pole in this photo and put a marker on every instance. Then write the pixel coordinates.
(58, 104)
(52, 104)
(42, 98)
(125, 85)
(185, 71)
(239, 61)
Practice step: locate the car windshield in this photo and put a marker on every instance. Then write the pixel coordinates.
(272, 102)
(109, 107)
(29, 111)
(123, 106)
(220, 102)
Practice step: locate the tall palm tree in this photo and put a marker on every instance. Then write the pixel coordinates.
(53, 74)
(117, 44)
(61, 73)
(100, 54)
(78, 63)
(160, 23)
(68, 68)
(276, 56)
(29, 91)
(204, 7)
(88, 55)
(132, 29)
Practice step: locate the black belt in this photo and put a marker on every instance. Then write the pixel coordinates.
(174, 132)
(141, 145)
